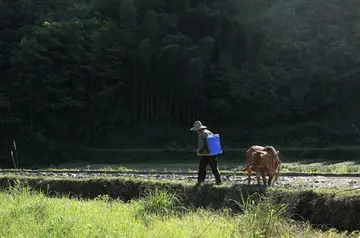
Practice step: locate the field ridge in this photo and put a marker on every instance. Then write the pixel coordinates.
(231, 149)
(44, 171)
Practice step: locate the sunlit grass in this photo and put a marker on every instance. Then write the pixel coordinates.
(322, 167)
(157, 214)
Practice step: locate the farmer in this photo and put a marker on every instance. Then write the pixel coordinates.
(203, 152)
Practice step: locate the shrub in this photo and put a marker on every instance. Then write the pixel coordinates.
(261, 216)
(161, 202)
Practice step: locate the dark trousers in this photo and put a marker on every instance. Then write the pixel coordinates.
(208, 160)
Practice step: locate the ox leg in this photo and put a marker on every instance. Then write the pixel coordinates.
(258, 178)
(263, 177)
(249, 177)
(270, 178)
(275, 178)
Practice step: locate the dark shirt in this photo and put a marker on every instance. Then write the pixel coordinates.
(202, 142)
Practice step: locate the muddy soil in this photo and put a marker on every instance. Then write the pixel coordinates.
(306, 181)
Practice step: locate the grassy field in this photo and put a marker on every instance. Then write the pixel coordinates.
(157, 214)
(314, 166)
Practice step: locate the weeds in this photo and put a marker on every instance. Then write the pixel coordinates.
(162, 203)
(261, 217)
(31, 214)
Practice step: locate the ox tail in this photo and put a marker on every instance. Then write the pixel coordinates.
(276, 160)
(277, 174)
(247, 166)
(248, 162)
(271, 149)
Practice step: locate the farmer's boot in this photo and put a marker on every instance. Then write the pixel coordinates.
(215, 170)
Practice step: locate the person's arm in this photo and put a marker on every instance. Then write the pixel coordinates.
(201, 143)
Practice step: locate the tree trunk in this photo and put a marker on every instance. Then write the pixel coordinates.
(148, 108)
(156, 108)
(170, 109)
(178, 106)
(152, 106)
(248, 47)
(189, 116)
(134, 97)
(31, 114)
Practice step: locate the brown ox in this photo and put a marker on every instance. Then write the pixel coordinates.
(264, 161)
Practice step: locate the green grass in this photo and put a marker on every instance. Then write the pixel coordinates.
(315, 166)
(157, 214)
(99, 181)
(322, 167)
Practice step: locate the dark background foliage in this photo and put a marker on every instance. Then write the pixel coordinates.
(130, 73)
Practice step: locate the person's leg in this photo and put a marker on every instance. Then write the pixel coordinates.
(202, 169)
(215, 170)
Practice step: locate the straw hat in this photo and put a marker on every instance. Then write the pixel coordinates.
(197, 126)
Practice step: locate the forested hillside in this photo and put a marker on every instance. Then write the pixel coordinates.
(77, 70)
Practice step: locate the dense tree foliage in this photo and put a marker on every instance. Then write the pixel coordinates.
(81, 68)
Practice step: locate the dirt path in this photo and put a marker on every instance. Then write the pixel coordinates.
(332, 181)
(225, 149)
